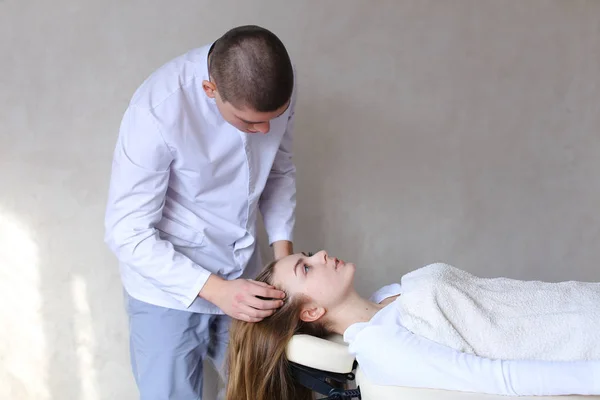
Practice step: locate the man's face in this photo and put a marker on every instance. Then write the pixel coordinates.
(246, 120)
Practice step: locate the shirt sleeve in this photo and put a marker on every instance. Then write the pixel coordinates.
(278, 200)
(413, 361)
(138, 184)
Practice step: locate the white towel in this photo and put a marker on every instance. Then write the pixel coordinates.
(502, 318)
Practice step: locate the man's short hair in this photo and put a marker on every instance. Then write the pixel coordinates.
(251, 68)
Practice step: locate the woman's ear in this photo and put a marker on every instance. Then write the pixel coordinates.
(311, 313)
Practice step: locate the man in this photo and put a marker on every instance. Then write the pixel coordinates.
(204, 145)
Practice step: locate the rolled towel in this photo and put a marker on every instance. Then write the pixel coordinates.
(502, 318)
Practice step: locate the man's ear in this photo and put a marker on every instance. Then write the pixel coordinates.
(311, 313)
(209, 88)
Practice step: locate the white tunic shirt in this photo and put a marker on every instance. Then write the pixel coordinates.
(186, 188)
(389, 354)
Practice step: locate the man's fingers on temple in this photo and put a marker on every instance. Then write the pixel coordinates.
(260, 304)
(268, 293)
(246, 318)
(254, 313)
(264, 284)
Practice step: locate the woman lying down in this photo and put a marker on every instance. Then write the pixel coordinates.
(439, 328)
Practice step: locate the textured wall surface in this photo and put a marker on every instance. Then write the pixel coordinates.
(458, 131)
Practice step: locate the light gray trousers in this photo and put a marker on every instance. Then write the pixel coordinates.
(168, 348)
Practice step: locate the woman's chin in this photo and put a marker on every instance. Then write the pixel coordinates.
(348, 270)
(349, 266)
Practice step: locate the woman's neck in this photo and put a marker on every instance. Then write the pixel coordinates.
(353, 310)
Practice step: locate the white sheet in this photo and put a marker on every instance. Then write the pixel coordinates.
(370, 391)
(388, 354)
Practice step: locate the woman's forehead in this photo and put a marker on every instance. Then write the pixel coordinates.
(286, 265)
(287, 262)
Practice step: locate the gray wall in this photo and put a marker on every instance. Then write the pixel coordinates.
(457, 131)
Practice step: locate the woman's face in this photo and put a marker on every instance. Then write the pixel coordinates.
(325, 281)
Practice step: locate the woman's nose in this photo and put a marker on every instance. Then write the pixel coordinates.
(322, 254)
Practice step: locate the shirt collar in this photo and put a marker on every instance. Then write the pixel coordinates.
(202, 71)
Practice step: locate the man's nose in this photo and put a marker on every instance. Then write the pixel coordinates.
(263, 127)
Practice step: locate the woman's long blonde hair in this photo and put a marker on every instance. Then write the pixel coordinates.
(256, 361)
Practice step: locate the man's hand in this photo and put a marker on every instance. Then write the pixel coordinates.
(282, 248)
(238, 299)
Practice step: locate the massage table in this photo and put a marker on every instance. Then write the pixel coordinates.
(317, 362)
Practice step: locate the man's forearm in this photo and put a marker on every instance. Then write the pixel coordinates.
(282, 248)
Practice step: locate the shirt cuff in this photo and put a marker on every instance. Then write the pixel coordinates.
(277, 236)
(197, 287)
